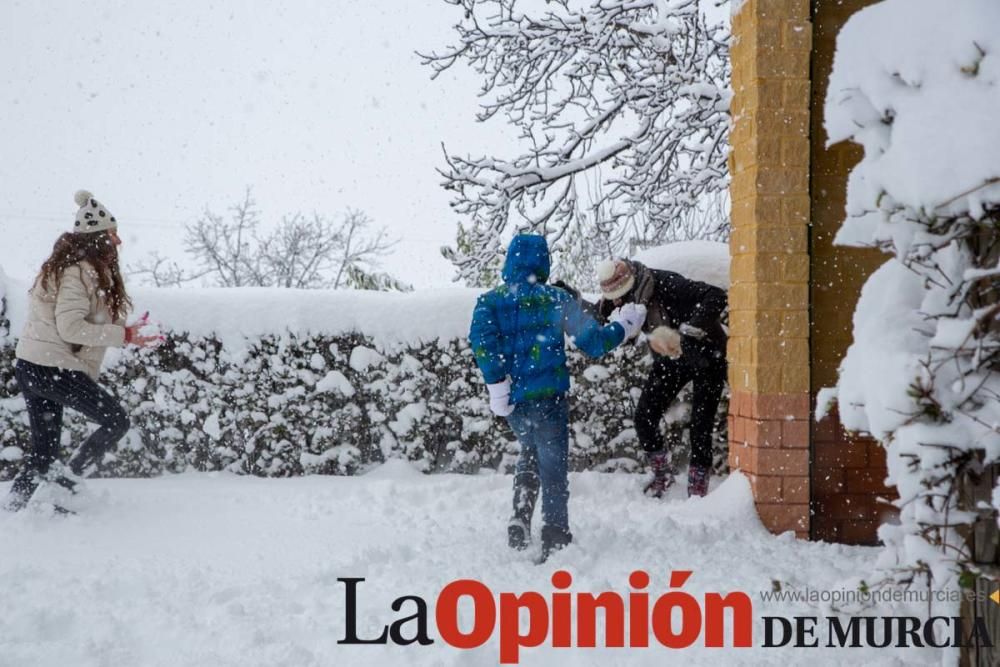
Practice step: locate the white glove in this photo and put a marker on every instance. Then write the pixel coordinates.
(500, 398)
(631, 316)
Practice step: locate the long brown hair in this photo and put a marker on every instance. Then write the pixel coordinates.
(99, 250)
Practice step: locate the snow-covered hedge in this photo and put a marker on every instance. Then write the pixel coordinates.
(286, 382)
(917, 84)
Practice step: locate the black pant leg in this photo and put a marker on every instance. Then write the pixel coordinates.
(45, 417)
(705, 396)
(86, 397)
(665, 381)
(77, 391)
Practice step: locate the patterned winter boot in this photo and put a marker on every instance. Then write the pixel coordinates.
(525, 495)
(554, 538)
(698, 477)
(663, 475)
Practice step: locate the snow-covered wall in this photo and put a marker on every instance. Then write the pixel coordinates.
(283, 382)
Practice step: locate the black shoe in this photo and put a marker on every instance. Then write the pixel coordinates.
(553, 539)
(518, 535)
(67, 483)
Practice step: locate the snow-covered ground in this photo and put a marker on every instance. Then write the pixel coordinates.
(214, 569)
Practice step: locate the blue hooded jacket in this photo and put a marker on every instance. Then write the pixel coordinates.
(518, 328)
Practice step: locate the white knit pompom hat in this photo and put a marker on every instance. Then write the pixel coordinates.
(92, 216)
(616, 278)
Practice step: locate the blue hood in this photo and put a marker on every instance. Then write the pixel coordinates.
(527, 255)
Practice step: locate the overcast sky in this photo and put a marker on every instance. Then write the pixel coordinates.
(164, 108)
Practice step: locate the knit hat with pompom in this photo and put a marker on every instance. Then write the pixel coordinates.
(616, 278)
(92, 216)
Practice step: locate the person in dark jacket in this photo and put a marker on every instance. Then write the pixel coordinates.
(684, 330)
(518, 340)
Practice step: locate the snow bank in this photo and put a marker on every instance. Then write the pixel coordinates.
(922, 80)
(707, 261)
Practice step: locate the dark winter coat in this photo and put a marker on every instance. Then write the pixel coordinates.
(672, 300)
(519, 328)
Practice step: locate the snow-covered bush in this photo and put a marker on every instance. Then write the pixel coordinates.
(278, 382)
(917, 84)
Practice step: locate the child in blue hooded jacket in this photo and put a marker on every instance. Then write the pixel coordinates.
(518, 339)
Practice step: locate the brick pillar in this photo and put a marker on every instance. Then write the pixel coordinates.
(769, 296)
(847, 471)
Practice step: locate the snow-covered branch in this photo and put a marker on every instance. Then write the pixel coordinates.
(639, 89)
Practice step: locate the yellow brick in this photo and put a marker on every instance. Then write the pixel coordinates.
(796, 94)
(795, 324)
(740, 321)
(768, 150)
(765, 324)
(795, 209)
(742, 295)
(769, 93)
(795, 379)
(778, 63)
(767, 33)
(782, 296)
(795, 151)
(741, 217)
(739, 351)
(785, 9)
(795, 268)
(785, 123)
(782, 180)
(787, 238)
(742, 266)
(796, 35)
(779, 352)
(740, 378)
(742, 240)
(767, 379)
(766, 211)
(769, 268)
(743, 184)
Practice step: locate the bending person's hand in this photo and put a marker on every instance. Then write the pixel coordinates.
(666, 341)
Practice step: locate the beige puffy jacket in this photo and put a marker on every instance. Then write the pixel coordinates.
(70, 328)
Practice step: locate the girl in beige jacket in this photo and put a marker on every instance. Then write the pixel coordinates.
(77, 311)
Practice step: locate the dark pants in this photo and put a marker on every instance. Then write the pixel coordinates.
(665, 381)
(46, 392)
(542, 428)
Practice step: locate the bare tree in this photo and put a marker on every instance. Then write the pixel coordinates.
(300, 252)
(223, 248)
(638, 86)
